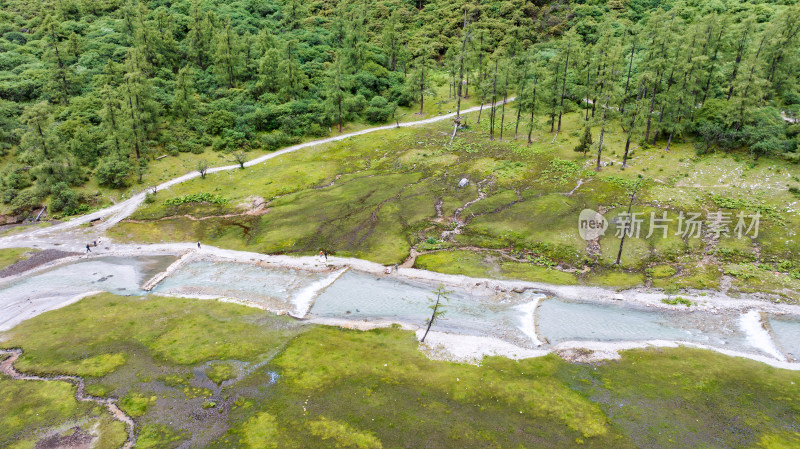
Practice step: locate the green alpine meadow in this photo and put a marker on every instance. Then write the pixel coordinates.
(378, 224)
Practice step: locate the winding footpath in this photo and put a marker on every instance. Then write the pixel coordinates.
(7, 368)
(114, 214)
(69, 233)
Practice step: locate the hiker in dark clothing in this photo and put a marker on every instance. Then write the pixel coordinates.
(325, 252)
(198, 245)
(88, 250)
(95, 243)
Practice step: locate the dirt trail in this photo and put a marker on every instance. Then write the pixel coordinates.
(7, 368)
(114, 214)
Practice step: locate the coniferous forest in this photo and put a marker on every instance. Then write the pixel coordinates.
(399, 224)
(92, 91)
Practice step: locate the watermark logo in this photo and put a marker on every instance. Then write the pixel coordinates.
(591, 224)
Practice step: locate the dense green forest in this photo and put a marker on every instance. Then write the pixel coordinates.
(92, 90)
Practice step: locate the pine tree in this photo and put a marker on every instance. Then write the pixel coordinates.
(585, 143)
(460, 80)
(141, 112)
(630, 70)
(743, 39)
(292, 14)
(529, 95)
(630, 120)
(38, 143)
(553, 88)
(568, 38)
(200, 35)
(184, 101)
(60, 70)
(782, 61)
(338, 89)
(417, 84)
(608, 93)
(111, 117)
(391, 42)
(292, 80)
(505, 98)
(356, 42)
(267, 74)
(522, 86)
(227, 54)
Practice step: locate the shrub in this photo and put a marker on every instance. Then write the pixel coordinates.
(26, 201)
(113, 171)
(315, 130)
(64, 200)
(677, 300)
(204, 197)
(278, 139)
(585, 143)
(379, 110)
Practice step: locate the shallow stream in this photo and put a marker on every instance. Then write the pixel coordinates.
(787, 335)
(269, 287)
(525, 319)
(31, 295)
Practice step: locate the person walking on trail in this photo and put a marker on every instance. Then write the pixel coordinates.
(88, 249)
(325, 251)
(198, 245)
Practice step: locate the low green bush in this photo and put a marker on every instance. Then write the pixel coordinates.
(677, 300)
(204, 197)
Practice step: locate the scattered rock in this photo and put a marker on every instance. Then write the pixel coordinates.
(254, 205)
(583, 355)
(78, 439)
(36, 259)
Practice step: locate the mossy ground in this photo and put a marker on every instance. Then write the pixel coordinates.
(143, 351)
(10, 256)
(379, 195)
(490, 264)
(29, 410)
(329, 387)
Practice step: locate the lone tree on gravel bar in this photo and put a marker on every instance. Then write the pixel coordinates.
(437, 308)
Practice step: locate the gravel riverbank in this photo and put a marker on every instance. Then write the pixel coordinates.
(36, 259)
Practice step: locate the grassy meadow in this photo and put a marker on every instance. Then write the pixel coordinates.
(214, 375)
(380, 195)
(10, 256)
